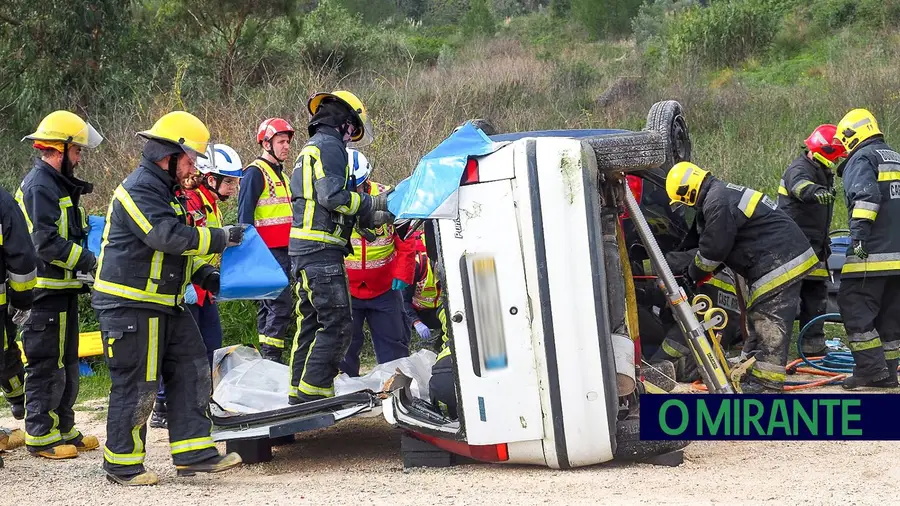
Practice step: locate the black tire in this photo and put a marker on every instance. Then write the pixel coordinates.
(629, 152)
(667, 118)
(629, 445)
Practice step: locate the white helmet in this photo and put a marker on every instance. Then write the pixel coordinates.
(359, 166)
(222, 160)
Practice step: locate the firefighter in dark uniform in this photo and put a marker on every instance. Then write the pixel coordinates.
(18, 269)
(325, 209)
(741, 228)
(49, 198)
(869, 295)
(806, 193)
(148, 256)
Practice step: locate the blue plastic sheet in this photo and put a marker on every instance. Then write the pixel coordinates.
(249, 271)
(431, 191)
(95, 233)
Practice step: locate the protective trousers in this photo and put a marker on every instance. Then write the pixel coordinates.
(442, 388)
(323, 324)
(210, 325)
(139, 346)
(770, 323)
(813, 300)
(390, 334)
(274, 316)
(870, 308)
(50, 342)
(12, 372)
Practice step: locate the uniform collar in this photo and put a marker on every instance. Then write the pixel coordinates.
(208, 195)
(278, 168)
(160, 173)
(71, 185)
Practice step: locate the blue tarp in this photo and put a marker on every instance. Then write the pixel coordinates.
(431, 191)
(250, 272)
(95, 233)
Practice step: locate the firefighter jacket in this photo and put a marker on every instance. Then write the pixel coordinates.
(264, 201)
(742, 228)
(373, 265)
(58, 226)
(325, 207)
(19, 261)
(796, 197)
(872, 190)
(149, 251)
(203, 211)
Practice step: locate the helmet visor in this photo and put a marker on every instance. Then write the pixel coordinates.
(90, 138)
(368, 136)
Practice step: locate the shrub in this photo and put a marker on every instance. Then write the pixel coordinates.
(724, 33)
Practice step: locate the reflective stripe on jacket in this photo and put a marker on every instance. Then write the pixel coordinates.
(872, 189)
(57, 223)
(272, 216)
(742, 228)
(149, 252)
(324, 207)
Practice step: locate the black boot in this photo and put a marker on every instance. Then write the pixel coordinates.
(158, 418)
(215, 464)
(17, 406)
(661, 374)
(887, 379)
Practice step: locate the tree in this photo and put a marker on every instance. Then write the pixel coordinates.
(57, 53)
(606, 17)
(233, 26)
(479, 20)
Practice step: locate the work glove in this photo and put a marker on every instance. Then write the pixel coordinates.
(380, 201)
(380, 218)
(423, 330)
(399, 284)
(859, 249)
(211, 283)
(190, 294)
(825, 196)
(235, 234)
(366, 234)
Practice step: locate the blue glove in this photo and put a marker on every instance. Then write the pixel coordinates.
(423, 330)
(190, 294)
(399, 284)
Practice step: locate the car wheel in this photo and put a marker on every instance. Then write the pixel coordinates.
(667, 118)
(629, 152)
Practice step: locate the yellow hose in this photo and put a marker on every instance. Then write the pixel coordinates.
(631, 312)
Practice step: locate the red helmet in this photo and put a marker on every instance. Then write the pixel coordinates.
(824, 147)
(272, 127)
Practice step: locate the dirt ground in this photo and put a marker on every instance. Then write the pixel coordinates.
(358, 462)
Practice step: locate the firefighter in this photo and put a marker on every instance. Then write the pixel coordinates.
(806, 193)
(422, 300)
(325, 211)
(869, 295)
(148, 256)
(740, 228)
(442, 384)
(19, 270)
(264, 201)
(49, 198)
(220, 174)
(378, 271)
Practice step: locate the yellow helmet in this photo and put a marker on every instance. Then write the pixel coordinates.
(365, 133)
(181, 128)
(64, 127)
(683, 183)
(855, 127)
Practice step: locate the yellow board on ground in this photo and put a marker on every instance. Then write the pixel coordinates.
(89, 345)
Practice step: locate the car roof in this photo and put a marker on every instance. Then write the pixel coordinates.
(571, 134)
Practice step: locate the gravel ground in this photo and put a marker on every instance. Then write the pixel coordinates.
(358, 462)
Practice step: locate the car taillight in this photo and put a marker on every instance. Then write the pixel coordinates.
(488, 312)
(484, 453)
(636, 185)
(470, 175)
